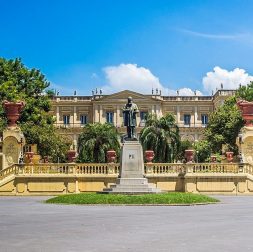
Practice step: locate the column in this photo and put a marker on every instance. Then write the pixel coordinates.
(96, 114)
(74, 117)
(195, 115)
(178, 114)
(100, 113)
(57, 115)
(153, 109)
(118, 122)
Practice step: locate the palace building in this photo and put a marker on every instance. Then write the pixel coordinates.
(191, 112)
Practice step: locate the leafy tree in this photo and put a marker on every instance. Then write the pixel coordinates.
(223, 126)
(17, 82)
(202, 151)
(245, 92)
(95, 140)
(48, 141)
(161, 136)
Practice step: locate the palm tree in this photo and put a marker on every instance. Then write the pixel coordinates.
(95, 140)
(161, 136)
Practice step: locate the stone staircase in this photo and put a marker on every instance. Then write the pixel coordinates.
(132, 186)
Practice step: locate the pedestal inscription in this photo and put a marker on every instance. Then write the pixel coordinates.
(132, 179)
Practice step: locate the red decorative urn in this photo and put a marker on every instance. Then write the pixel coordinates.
(213, 159)
(46, 159)
(111, 156)
(189, 155)
(247, 111)
(229, 156)
(29, 157)
(71, 155)
(12, 110)
(149, 155)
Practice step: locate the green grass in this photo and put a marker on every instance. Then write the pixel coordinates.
(145, 199)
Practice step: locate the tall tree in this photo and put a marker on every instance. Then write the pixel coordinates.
(95, 140)
(17, 82)
(245, 92)
(161, 136)
(223, 126)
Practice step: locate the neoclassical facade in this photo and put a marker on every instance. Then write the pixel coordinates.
(191, 112)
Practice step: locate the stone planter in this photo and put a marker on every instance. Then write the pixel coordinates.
(111, 156)
(12, 110)
(29, 157)
(247, 112)
(149, 155)
(230, 156)
(189, 155)
(213, 159)
(46, 159)
(71, 155)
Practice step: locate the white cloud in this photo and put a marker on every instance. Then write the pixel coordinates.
(139, 79)
(229, 79)
(132, 77)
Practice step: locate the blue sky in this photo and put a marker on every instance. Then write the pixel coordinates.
(170, 45)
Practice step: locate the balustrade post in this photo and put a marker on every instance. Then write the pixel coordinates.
(149, 168)
(188, 168)
(111, 168)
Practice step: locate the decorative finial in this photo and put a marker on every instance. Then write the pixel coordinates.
(152, 91)
(177, 92)
(92, 92)
(221, 85)
(75, 92)
(96, 91)
(100, 91)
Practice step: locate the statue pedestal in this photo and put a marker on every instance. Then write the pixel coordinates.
(132, 179)
(13, 142)
(245, 144)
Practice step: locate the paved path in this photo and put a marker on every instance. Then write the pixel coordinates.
(26, 224)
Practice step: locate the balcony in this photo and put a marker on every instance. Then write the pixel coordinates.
(69, 125)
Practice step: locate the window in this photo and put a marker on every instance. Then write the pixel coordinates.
(187, 119)
(143, 115)
(83, 119)
(66, 119)
(109, 117)
(204, 119)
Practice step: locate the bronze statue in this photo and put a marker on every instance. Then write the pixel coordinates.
(129, 114)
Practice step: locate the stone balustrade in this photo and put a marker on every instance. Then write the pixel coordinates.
(113, 168)
(52, 179)
(12, 170)
(212, 168)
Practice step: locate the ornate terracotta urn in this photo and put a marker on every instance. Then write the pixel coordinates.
(12, 110)
(111, 156)
(29, 157)
(230, 156)
(71, 155)
(149, 156)
(213, 159)
(247, 111)
(189, 155)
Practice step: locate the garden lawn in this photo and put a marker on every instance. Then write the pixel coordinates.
(144, 199)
